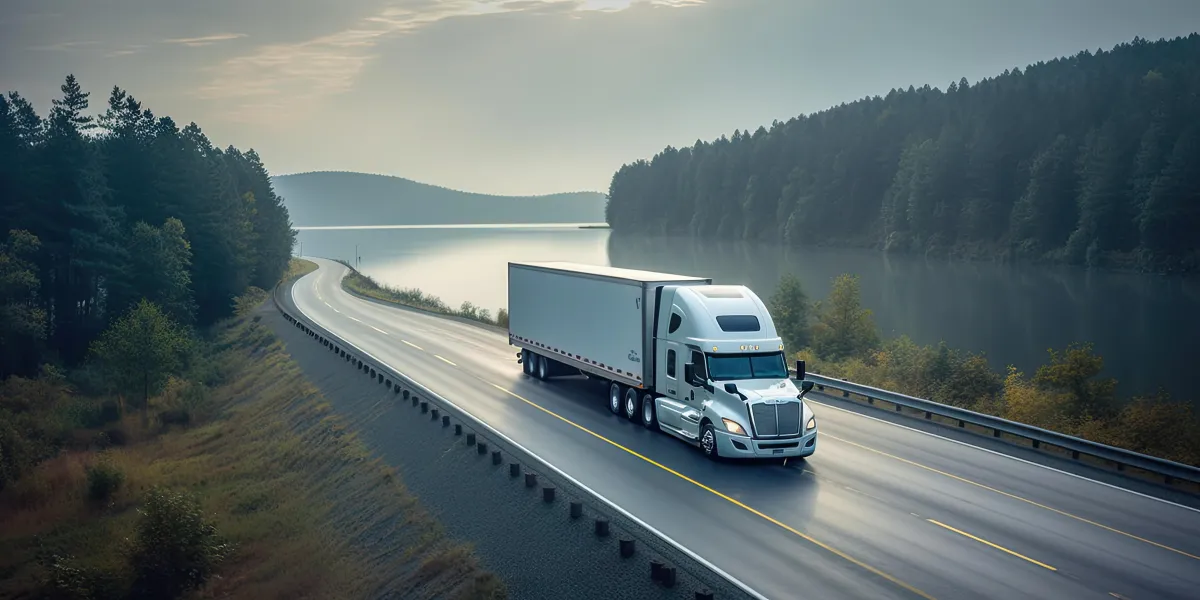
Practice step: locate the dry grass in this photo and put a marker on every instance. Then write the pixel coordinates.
(298, 267)
(312, 514)
(365, 285)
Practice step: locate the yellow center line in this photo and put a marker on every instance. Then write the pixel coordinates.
(413, 345)
(729, 499)
(445, 360)
(1013, 496)
(1000, 548)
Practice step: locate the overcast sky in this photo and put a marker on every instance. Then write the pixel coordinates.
(527, 96)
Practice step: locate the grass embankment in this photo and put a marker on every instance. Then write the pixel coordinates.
(1068, 394)
(287, 502)
(414, 298)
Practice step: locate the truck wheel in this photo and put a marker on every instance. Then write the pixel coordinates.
(543, 368)
(614, 398)
(633, 406)
(527, 362)
(708, 441)
(649, 412)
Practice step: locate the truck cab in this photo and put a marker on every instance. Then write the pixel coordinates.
(722, 380)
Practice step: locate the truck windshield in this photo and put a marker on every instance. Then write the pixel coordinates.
(725, 367)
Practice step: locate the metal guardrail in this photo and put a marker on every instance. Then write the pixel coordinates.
(1170, 472)
(414, 390)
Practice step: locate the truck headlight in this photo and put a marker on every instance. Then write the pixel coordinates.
(812, 424)
(733, 427)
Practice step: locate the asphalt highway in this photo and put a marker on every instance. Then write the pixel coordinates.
(880, 511)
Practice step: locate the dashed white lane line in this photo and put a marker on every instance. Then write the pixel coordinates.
(446, 360)
(413, 345)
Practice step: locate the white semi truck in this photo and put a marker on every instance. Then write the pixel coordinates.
(702, 362)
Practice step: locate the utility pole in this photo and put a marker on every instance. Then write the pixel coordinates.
(301, 249)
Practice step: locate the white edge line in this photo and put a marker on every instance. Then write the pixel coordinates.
(1008, 456)
(561, 473)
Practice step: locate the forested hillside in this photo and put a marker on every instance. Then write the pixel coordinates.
(332, 198)
(99, 213)
(1091, 160)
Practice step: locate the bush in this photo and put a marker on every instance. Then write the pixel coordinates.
(104, 480)
(116, 436)
(68, 581)
(176, 549)
(175, 416)
(249, 300)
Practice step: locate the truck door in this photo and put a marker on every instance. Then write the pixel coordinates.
(671, 384)
(689, 417)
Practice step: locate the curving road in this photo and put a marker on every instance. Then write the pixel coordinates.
(880, 511)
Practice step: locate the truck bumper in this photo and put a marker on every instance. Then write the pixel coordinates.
(736, 446)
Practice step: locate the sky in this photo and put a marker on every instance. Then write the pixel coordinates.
(527, 96)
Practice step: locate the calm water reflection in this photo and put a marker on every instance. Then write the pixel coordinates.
(1145, 326)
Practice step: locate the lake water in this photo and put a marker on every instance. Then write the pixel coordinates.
(1145, 326)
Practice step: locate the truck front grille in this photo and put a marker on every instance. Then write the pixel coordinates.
(776, 420)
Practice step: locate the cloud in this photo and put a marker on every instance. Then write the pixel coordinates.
(280, 81)
(126, 51)
(63, 46)
(205, 40)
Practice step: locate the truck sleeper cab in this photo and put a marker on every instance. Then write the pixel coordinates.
(701, 362)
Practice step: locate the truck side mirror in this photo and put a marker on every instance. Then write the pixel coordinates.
(800, 373)
(805, 387)
(689, 374)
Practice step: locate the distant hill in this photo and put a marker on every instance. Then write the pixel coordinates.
(341, 198)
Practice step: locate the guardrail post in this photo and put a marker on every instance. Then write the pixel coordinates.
(656, 567)
(514, 469)
(496, 458)
(576, 509)
(601, 526)
(548, 494)
(481, 448)
(668, 576)
(470, 439)
(530, 479)
(627, 547)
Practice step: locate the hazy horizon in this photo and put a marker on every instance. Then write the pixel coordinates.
(528, 97)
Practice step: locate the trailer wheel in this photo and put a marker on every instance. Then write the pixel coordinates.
(708, 441)
(543, 368)
(649, 412)
(614, 398)
(527, 362)
(633, 404)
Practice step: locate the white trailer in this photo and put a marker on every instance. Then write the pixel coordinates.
(700, 361)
